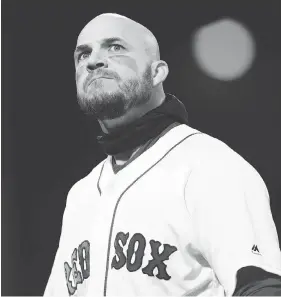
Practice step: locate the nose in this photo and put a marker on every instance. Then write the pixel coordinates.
(96, 61)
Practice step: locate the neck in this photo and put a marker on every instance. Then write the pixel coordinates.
(122, 158)
(110, 125)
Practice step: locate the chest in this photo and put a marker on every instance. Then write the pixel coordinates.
(133, 229)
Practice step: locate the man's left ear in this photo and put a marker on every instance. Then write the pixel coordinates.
(160, 71)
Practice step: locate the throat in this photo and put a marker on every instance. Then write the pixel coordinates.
(124, 157)
(121, 160)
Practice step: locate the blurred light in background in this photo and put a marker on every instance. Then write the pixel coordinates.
(224, 49)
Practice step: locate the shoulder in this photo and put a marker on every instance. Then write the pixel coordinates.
(204, 147)
(214, 163)
(83, 186)
(208, 152)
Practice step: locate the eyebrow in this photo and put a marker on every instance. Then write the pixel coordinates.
(105, 41)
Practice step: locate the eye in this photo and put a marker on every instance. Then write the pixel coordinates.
(83, 56)
(116, 48)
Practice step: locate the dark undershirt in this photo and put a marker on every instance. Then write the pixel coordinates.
(254, 281)
(251, 280)
(116, 168)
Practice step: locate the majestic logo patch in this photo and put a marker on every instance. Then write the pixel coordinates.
(255, 250)
(135, 252)
(79, 270)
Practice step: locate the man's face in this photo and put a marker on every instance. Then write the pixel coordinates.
(113, 71)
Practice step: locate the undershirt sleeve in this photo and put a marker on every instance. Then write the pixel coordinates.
(254, 281)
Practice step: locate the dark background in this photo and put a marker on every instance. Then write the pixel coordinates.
(48, 144)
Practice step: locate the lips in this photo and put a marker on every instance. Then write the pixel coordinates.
(98, 77)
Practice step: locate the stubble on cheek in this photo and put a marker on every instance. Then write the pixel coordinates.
(78, 72)
(80, 80)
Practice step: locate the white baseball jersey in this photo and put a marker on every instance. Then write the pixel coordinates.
(181, 219)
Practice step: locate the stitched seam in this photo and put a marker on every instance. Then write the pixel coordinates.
(118, 201)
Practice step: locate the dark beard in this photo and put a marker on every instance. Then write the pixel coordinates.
(131, 94)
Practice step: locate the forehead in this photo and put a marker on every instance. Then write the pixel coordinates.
(103, 28)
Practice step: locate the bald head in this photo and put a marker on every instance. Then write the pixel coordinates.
(126, 28)
(118, 68)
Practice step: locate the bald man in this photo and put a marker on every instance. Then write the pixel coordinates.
(128, 74)
(171, 210)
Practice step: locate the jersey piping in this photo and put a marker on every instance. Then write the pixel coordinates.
(116, 168)
(118, 201)
(98, 183)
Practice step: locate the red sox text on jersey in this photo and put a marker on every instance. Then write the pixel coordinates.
(76, 273)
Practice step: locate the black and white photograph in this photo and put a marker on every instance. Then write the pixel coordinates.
(141, 148)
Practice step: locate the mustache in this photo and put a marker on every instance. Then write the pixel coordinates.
(100, 73)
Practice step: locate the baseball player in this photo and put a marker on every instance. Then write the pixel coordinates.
(171, 210)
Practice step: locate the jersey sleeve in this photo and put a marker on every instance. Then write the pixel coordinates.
(56, 279)
(56, 285)
(231, 217)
